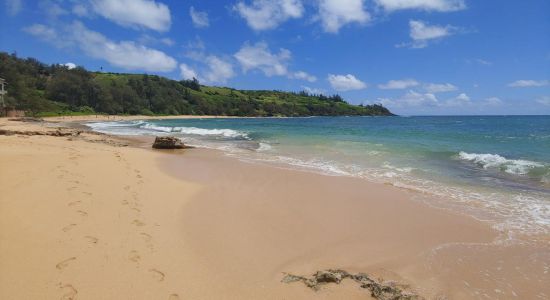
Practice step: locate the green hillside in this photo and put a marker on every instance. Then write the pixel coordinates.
(43, 89)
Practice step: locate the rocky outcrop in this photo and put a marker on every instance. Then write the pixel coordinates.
(378, 290)
(57, 132)
(168, 142)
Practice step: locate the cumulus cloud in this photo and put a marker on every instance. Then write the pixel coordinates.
(335, 14)
(529, 83)
(258, 56)
(187, 72)
(303, 76)
(460, 100)
(439, 87)
(422, 33)
(411, 99)
(313, 91)
(427, 5)
(345, 82)
(269, 14)
(492, 101)
(124, 54)
(13, 7)
(135, 13)
(70, 65)
(398, 84)
(199, 18)
(219, 70)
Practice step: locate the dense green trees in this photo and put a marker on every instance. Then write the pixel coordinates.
(37, 87)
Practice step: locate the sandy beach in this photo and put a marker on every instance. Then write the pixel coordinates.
(88, 216)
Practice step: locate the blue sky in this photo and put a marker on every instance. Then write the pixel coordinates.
(414, 56)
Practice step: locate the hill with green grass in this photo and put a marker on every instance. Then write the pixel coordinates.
(43, 89)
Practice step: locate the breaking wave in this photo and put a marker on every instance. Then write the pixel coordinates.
(495, 161)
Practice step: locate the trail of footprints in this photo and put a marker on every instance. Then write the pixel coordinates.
(131, 201)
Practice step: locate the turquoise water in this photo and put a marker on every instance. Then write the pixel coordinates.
(496, 168)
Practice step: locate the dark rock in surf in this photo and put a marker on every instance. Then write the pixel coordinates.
(168, 142)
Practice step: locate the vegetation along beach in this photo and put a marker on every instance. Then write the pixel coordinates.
(270, 149)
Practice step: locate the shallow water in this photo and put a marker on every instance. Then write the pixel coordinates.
(494, 168)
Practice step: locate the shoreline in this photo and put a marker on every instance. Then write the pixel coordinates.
(241, 225)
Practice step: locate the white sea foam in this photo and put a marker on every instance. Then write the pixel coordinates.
(511, 166)
(264, 147)
(230, 133)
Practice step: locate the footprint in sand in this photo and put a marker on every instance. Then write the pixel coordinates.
(69, 292)
(138, 223)
(134, 256)
(74, 203)
(87, 193)
(82, 213)
(174, 297)
(147, 237)
(91, 239)
(68, 227)
(158, 275)
(65, 263)
(136, 209)
(126, 188)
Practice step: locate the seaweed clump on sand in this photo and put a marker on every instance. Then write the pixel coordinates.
(378, 290)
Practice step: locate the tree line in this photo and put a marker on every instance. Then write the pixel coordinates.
(55, 89)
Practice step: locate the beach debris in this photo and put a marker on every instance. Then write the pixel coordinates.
(378, 290)
(168, 142)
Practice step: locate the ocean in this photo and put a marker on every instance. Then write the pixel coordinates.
(494, 168)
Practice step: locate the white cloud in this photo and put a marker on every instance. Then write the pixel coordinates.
(219, 70)
(337, 13)
(439, 87)
(13, 7)
(422, 33)
(345, 82)
(492, 101)
(428, 5)
(81, 10)
(42, 32)
(135, 13)
(411, 99)
(398, 84)
(460, 100)
(199, 18)
(483, 62)
(124, 54)
(314, 91)
(269, 14)
(304, 76)
(545, 100)
(187, 72)
(70, 65)
(259, 57)
(150, 40)
(51, 9)
(529, 83)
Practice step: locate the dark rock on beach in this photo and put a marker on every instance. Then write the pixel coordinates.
(378, 290)
(168, 142)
